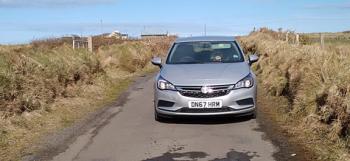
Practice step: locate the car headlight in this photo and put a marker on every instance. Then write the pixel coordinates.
(246, 82)
(163, 84)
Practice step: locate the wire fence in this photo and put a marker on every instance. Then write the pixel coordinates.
(323, 39)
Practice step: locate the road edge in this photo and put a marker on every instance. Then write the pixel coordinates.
(290, 149)
(58, 142)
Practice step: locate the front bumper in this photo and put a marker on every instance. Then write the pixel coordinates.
(232, 103)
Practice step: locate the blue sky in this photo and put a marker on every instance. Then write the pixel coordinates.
(25, 20)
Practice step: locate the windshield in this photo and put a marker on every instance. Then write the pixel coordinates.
(205, 52)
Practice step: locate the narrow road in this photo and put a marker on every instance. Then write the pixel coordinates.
(132, 134)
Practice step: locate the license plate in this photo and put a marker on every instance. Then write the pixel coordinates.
(205, 104)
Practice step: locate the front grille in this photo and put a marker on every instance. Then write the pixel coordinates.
(204, 110)
(195, 91)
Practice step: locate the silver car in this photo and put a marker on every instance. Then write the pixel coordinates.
(205, 76)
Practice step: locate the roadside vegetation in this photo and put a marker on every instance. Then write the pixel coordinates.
(46, 85)
(313, 82)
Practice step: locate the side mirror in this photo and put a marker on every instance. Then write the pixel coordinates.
(157, 62)
(253, 58)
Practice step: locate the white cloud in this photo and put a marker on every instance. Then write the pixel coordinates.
(50, 3)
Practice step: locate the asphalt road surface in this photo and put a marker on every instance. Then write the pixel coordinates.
(132, 134)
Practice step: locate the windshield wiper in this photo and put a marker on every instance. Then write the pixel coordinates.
(187, 63)
(197, 62)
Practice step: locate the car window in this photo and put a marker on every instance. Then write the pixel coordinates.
(205, 52)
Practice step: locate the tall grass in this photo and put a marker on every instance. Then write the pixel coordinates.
(36, 80)
(135, 55)
(315, 81)
(31, 79)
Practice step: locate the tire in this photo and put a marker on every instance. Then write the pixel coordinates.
(157, 117)
(254, 114)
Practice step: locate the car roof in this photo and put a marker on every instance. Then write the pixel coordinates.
(205, 38)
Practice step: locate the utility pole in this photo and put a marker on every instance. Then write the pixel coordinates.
(101, 23)
(81, 31)
(144, 30)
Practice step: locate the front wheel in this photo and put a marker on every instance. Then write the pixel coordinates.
(157, 117)
(254, 114)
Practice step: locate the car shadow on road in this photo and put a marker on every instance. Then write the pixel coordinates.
(207, 120)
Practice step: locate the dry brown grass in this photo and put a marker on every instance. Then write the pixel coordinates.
(98, 41)
(314, 80)
(133, 56)
(51, 42)
(44, 88)
(31, 79)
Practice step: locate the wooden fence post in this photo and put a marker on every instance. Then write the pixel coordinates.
(322, 40)
(297, 39)
(287, 36)
(90, 43)
(73, 42)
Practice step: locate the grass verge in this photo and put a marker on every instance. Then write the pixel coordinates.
(312, 82)
(27, 129)
(43, 90)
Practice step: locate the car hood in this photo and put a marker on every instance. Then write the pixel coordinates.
(204, 74)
